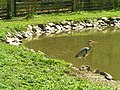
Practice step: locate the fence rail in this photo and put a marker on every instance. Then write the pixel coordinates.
(3, 10)
(23, 7)
(42, 7)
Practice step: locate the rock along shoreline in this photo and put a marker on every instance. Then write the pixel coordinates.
(65, 26)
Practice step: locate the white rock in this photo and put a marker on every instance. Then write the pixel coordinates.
(9, 34)
(30, 27)
(19, 35)
(108, 76)
(58, 27)
(80, 26)
(13, 41)
(48, 27)
(64, 22)
(104, 18)
(51, 24)
(83, 24)
(89, 25)
(67, 27)
(15, 44)
(9, 40)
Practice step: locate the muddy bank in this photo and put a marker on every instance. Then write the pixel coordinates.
(94, 77)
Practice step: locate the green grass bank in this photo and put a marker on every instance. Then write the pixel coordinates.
(22, 69)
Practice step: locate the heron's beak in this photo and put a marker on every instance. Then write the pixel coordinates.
(94, 42)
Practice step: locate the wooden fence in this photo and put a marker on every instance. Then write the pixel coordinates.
(23, 7)
(3, 10)
(43, 7)
(90, 6)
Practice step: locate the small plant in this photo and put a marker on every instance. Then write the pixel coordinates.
(29, 16)
(9, 16)
(19, 28)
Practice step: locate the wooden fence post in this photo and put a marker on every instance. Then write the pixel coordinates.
(75, 5)
(11, 6)
(8, 9)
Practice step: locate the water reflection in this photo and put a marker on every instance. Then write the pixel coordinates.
(104, 55)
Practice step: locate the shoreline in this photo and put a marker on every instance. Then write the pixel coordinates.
(66, 26)
(93, 76)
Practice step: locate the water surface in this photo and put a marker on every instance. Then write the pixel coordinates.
(105, 55)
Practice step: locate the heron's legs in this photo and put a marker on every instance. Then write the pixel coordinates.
(86, 55)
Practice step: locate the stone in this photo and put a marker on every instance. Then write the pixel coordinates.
(104, 18)
(30, 27)
(80, 27)
(15, 44)
(13, 41)
(64, 22)
(105, 74)
(9, 34)
(47, 27)
(51, 24)
(67, 27)
(19, 35)
(100, 21)
(108, 76)
(97, 71)
(58, 27)
(27, 34)
(42, 26)
(85, 68)
(9, 40)
(89, 25)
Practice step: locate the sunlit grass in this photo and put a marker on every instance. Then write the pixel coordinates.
(21, 69)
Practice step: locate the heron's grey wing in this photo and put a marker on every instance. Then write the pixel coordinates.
(81, 53)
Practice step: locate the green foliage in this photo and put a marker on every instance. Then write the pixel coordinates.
(21, 69)
(19, 28)
(29, 16)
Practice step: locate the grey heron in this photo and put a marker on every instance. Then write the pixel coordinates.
(85, 51)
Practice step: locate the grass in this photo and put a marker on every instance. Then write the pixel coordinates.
(22, 69)
(20, 23)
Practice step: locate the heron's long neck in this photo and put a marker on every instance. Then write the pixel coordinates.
(89, 45)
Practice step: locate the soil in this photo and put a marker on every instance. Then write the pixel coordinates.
(94, 77)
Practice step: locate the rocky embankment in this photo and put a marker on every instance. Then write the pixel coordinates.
(65, 26)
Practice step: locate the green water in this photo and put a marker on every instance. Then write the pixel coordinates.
(105, 55)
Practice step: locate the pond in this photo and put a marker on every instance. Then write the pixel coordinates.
(105, 55)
